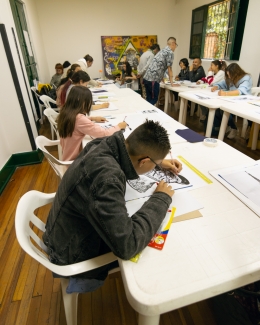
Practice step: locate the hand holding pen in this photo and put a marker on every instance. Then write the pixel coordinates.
(126, 123)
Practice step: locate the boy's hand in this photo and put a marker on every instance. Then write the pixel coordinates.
(172, 165)
(165, 188)
(122, 125)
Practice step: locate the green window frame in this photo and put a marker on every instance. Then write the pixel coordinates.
(235, 29)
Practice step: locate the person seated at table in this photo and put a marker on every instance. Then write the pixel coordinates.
(74, 68)
(66, 65)
(127, 75)
(216, 73)
(184, 73)
(79, 78)
(55, 79)
(237, 82)
(73, 124)
(196, 70)
(89, 217)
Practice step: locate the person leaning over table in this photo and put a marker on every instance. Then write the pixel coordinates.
(79, 78)
(74, 124)
(237, 82)
(73, 68)
(156, 70)
(89, 217)
(196, 70)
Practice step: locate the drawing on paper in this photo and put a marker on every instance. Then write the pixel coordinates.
(167, 176)
(141, 185)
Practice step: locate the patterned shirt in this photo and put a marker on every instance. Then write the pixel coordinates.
(159, 65)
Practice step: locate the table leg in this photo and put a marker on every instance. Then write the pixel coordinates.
(183, 109)
(148, 320)
(223, 126)
(255, 136)
(166, 100)
(210, 122)
(192, 108)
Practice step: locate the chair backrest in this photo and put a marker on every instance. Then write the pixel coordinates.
(47, 100)
(58, 166)
(28, 203)
(255, 91)
(34, 89)
(52, 117)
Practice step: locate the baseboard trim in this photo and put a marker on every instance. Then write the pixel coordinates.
(17, 160)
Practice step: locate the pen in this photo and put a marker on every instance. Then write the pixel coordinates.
(126, 123)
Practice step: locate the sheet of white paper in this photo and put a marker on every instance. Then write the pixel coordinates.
(240, 99)
(104, 95)
(246, 182)
(145, 185)
(183, 202)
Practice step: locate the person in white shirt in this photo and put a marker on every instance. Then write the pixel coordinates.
(145, 60)
(216, 73)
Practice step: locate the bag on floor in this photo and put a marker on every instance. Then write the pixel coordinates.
(238, 307)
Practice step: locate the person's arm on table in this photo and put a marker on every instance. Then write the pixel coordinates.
(126, 236)
(170, 75)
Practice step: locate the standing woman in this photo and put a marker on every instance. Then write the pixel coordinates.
(73, 123)
(237, 82)
(85, 63)
(126, 76)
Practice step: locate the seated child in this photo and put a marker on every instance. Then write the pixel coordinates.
(73, 124)
(89, 218)
(55, 80)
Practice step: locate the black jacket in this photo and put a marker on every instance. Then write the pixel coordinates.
(89, 218)
(184, 74)
(196, 75)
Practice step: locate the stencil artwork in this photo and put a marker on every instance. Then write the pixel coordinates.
(141, 185)
(167, 176)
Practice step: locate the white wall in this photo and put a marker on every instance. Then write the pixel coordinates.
(72, 29)
(13, 133)
(250, 52)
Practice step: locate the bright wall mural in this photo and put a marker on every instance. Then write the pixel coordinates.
(118, 49)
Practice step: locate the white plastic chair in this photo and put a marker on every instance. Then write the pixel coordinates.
(47, 100)
(255, 92)
(58, 166)
(41, 106)
(28, 203)
(52, 117)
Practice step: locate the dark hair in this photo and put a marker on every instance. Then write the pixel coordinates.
(171, 39)
(220, 64)
(79, 101)
(79, 76)
(88, 58)
(149, 139)
(155, 46)
(70, 72)
(197, 59)
(75, 78)
(66, 64)
(185, 62)
(235, 73)
(59, 66)
(128, 68)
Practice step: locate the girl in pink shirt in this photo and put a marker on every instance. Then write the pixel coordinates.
(73, 124)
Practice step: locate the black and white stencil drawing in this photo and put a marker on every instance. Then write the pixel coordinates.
(149, 111)
(141, 184)
(167, 176)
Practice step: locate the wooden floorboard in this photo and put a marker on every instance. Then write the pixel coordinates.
(28, 293)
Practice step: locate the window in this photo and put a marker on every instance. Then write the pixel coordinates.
(215, 33)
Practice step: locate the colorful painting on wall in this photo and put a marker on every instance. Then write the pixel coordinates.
(118, 49)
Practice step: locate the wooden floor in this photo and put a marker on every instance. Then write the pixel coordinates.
(28, 293)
